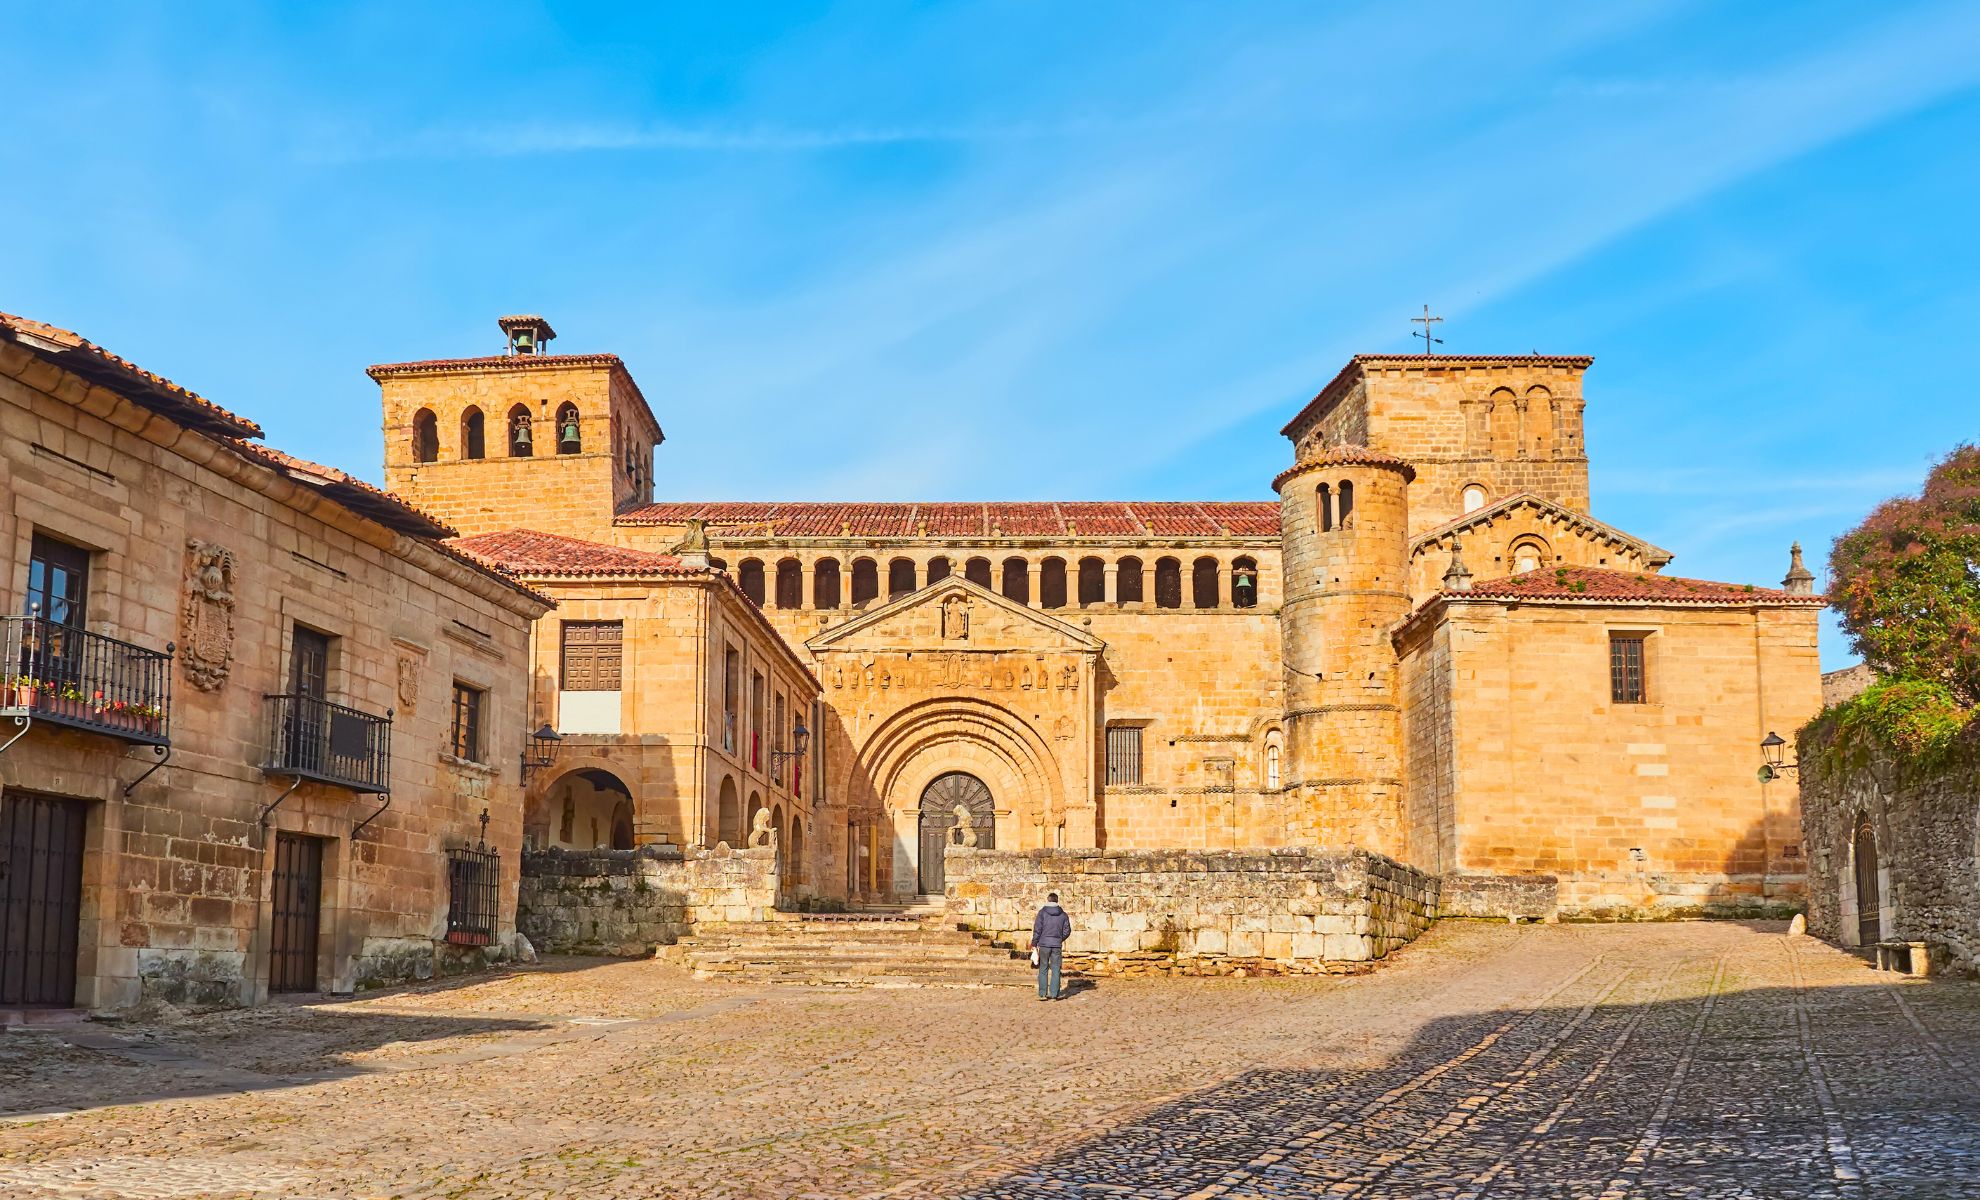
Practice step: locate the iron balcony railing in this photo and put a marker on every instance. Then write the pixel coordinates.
(329, 743)
(60, 675)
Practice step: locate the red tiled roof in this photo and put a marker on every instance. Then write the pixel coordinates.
(78, 354)
(1085, 518)
(381, 506)
(527, 552)
(1595, 583)
(1348, 456)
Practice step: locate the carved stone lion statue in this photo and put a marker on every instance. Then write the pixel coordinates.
(965, 826)
(759, 828)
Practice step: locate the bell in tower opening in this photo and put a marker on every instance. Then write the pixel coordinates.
(527, 334)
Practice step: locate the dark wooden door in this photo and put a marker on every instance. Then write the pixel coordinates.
(41, 857)
(938, 823)
(1869, 904)
(309, 663)
(298, 913)
(58, 593)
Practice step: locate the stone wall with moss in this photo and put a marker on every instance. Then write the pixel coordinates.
(1912, 768)
(626, 902)
(1215, 912)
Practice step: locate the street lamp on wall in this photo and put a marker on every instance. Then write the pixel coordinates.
(1774, 748)
(800, 737)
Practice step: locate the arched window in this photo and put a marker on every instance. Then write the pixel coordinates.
(1017, 580)
(750, 576)
(1244, 582)
(570, 438)
(825, 583)
(1092, 582)
(1528, 555)
(425, 436)
(1323, 502)
(1474, 497)
(938, 568)
(977, 571)
(790, 584)
(900, 578)
(1168, 583)
(1127, 582)
(1345, 505)
(1052, 583)
(1203, 583)
(866, 580)
(522, 438)
(474, 442)
(1272, 767)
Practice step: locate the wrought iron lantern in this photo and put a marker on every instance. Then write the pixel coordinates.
(800, 738)
(541, 749)
(1774, 747)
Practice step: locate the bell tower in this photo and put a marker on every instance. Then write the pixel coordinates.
(1344, 520)
(524, 439)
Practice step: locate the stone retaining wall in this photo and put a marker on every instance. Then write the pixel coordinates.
(1927, 827)
(1215, 912)
(1529, 897)
(626, 902)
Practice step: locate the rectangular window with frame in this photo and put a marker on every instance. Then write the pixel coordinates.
(58, 581)
(468, 704)
(1123, 754)
(731, 696)
(592, 653)
(1628, 680)
(474, 877)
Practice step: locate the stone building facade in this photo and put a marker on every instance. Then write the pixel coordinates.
(253, 710)
(1308, 671)
(669, 685)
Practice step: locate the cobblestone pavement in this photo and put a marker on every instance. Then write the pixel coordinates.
(1700, 1060)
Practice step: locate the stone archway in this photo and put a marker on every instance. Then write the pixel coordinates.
(939, 823)
(583, 809)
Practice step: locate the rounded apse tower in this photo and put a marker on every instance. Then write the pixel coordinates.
(1344, 525)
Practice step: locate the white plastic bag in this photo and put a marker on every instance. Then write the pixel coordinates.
(1034, 956)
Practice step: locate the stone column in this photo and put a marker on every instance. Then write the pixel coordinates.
(1110, 571)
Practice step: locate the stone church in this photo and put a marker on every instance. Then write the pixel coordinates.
(1425, 646)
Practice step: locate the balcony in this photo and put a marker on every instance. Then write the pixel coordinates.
(55, 675)
(329, 743)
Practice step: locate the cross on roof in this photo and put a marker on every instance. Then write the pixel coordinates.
(1430, 343)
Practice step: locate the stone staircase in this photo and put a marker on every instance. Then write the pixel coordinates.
(905, 946)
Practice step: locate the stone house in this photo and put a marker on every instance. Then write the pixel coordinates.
(662, 681)
(1317, 670)
(260, 724)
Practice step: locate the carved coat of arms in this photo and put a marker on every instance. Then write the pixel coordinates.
(208, 616)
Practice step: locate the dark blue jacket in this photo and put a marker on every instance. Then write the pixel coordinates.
(1051, 927)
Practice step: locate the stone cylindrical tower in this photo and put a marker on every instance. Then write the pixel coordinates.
(1344, 524)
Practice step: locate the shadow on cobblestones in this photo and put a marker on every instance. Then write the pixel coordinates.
(1625, 1081)
(77, 1068)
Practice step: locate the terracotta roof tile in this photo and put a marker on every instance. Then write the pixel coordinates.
(382, 506)
(970, 519)
(1595, 583)
(527, 552)
(76, 353)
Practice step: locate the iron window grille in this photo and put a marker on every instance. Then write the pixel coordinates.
(1626, 668)
(474, 875)
(1123, 754)
(61, 675)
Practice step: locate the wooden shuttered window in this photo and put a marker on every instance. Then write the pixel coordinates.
(593, 651)
(1123, 754)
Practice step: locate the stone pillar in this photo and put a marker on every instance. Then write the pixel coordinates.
(1111, 572)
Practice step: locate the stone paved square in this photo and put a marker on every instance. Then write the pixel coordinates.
(1708, 1060)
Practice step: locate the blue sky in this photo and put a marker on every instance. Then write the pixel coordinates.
(903, 251)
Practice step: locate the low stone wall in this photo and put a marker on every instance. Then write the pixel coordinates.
(1528, 897)
(1216, 912)
(626, 902)
(1927, 828)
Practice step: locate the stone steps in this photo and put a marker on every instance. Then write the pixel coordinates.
(851, 950)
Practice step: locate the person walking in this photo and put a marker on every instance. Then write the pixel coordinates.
(1049, 931)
